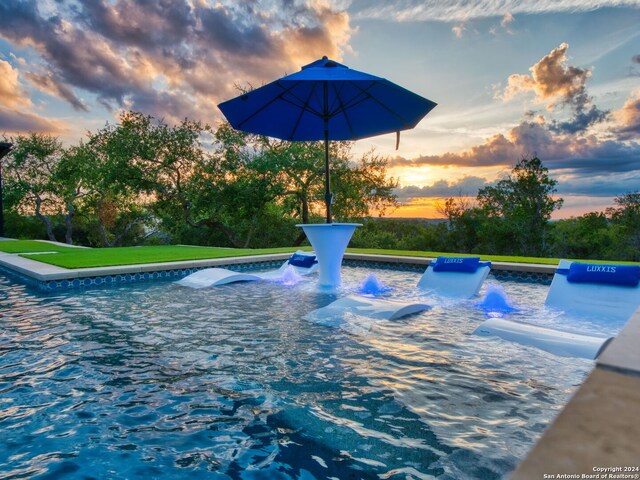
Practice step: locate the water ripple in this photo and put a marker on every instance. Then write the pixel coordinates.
(161, 381)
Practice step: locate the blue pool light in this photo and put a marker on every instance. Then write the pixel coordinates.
(289, 277)
(496, 302)
(372, 286)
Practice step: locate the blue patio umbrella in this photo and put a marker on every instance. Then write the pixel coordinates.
(326, 100)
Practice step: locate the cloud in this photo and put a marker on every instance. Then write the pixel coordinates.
(187, 53)
(12, 121)
(15, 104)
(568, 146)
(628, 118)
(47, 84)
(12, 94)
(507, 19)
(581, 121)
(553, 81)
(633, 69)
(463, 10)
(458, 30)
(585, 154)
(600, 185)
(467, 187)
(603, 184)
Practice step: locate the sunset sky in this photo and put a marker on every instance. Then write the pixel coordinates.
(560, 78)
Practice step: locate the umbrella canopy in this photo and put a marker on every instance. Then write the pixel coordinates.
(326, 100)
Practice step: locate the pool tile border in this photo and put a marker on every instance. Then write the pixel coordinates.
(48, 278)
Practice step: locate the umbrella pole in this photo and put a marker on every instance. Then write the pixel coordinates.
(327, 178)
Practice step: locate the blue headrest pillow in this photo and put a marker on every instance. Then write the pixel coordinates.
(626, 275)
(301, 260)
(456, 264)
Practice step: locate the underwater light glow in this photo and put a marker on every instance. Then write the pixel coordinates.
(372, 286)
(496, 302)
(289, 277)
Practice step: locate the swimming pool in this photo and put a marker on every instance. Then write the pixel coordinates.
(160, 381)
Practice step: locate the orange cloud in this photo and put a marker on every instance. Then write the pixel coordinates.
(13, 122)
(551, 80)
(628, 118)
(171, 59)
(11, 93)
(47, 84)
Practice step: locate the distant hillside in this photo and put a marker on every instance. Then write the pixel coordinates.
(430, 221)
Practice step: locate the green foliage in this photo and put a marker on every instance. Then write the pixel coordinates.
(519, 208)
(141, 178)
(141, 181)
(587, 236)
(23, 226)
(254, 190)
(625, 218)
(133, 168)
(32, 180)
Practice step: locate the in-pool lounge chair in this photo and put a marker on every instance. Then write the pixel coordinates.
(459, 277)
(300, 263)
(607, 292)
(368, 307)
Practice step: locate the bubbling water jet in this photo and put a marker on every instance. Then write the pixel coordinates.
(496, 302)
(372, 286)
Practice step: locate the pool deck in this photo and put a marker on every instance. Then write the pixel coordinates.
(599, 428)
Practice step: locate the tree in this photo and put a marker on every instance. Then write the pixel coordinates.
(37, 181)
(463, 223)
(138, 169)
(258, 178)
(587, 236)
(360, 187)
(625, 217)
(140, 174)
(520, 207)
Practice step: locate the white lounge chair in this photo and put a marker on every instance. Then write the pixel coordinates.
(447, 276)
(459, 277)
(299, 264)
(369, 307)
(558, 342)
(604, 292)
(598, 297)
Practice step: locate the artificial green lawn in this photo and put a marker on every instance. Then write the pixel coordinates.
(494, 258)
(108, 257)
(23, 246)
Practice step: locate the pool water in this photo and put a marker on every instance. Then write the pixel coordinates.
(161, 381)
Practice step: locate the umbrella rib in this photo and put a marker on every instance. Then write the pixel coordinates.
(270, 102)
(356, 100)
(303, 103)
(388, 109)
(363, 96)
(304, 108)
(338, 93)
(344, 112)
(309, 109)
